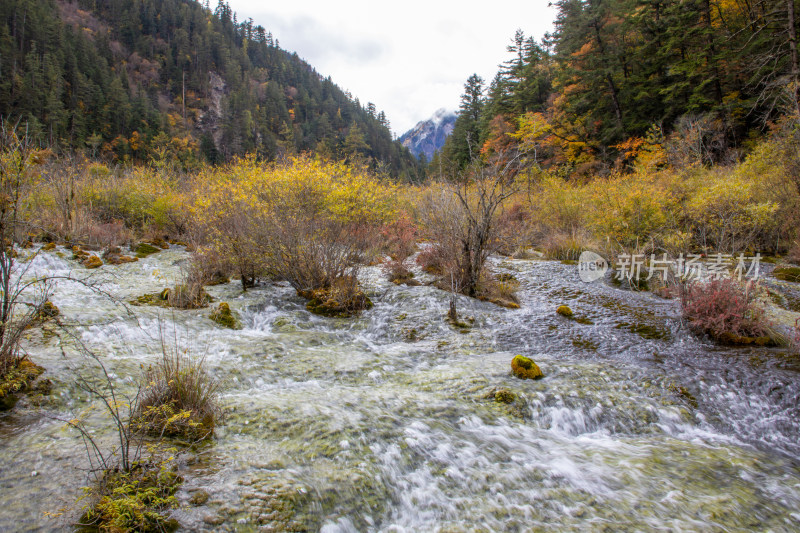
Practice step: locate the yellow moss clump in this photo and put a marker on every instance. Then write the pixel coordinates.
(93, 262)
(47, 310)
(78, 253)
(49, 246)
(525, 368)
(564, 310)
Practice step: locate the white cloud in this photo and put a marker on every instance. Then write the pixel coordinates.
(408, 58)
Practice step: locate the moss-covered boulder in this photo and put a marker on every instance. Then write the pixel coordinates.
(218, 278)
(47, 310)
(137, 500)
(732, 339)
(223, 316)
(403, 276)
(333, 303)
(564, 311)
(787, 274)
(525, 368)
(144, 249)
(19, 377)
(92, 262)
(113, 256)
(181, 297)
(504, 396)
(79, 254)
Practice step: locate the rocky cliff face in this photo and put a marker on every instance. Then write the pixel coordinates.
(428, 136)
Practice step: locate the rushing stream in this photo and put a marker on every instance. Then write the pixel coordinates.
(387, 422)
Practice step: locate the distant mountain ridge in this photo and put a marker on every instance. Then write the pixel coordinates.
(129, 80)
(428, 136)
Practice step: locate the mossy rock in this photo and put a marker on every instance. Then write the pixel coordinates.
(504, 396)
(322, 303)
(787, 274)
(684, 393)
(218, 278)
(732, 339)
(525, 368)
(114, 256)
(139, 500)
(223, 316)
(93, 262)
(463, 325)
(502, 302)
(19, 377)
(404, 277)
(47, 310)
(178, 297)
(79, 254)
(198, 497)
(144, 249)
(160, 243)
(564, 311)
(49, 246)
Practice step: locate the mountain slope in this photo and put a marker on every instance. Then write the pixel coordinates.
(136, 79)
(428, 136)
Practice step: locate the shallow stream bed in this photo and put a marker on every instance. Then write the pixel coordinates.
(387, 422)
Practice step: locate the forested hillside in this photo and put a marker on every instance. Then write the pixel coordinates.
(620, 76)
(174, 79)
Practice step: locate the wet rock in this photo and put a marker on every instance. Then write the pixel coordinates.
(504, 396)
(525, 368)
(198, 497)
(213, 520)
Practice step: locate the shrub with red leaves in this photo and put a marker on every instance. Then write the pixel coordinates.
(725, 310)
(400, 238)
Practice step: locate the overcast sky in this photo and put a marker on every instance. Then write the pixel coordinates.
(409, 57)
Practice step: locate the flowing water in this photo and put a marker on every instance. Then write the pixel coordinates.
(388, 422)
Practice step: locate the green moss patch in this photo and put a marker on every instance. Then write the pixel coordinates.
(139, 500)
(144, 249)
(787, 274)
(223, 316)
(20, 377)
